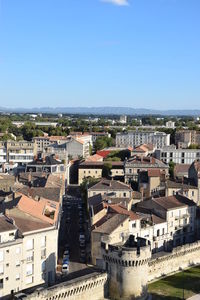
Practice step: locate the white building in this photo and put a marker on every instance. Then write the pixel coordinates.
(136, 138)
(20, 152)
(170, 124)
(123, 119)
(28, 252)
(178, 156)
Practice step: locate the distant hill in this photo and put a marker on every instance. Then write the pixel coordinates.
(102, 111)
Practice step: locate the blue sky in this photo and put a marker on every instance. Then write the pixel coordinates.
(138, 53)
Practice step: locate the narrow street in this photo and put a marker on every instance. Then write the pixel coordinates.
(73, 222)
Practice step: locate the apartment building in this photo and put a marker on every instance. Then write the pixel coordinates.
(20, 152)
(180, 215)
(136, 164)
(95, 170)
(136, 138)
(151, 182)
(170, 124)
(47, 164)
(112, 188)
(42, 142)
(183, 187)
(178, 156)
(28, 246)
(3, 152)
(184, 138)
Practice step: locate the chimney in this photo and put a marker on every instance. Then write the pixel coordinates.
(142, 192)
(29, 179)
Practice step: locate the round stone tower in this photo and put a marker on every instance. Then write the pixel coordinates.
(127, 267)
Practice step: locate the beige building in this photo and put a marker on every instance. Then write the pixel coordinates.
(28, 252)
(183, 188)
(20, 152)
(95, 170)
(111, 188)
(137, 164)
(180, 214)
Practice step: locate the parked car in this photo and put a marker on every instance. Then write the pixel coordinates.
(66, 254)
(82, 244)
(65, 268)
(80, 213)
(80, 206)
(81, 238)
(20, 296)
(81, 220)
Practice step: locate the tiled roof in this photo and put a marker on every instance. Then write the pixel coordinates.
(165, 203)
(94, 158)
(122, 210)
(48, 160)
(154, 173)
(5, 224)
(137, 195)
(181, 168)
(111, 224)
(50, 193)
(39, 209)
(149, 161)
(103, 153)
(106, 184)
(171, 202)
(26, 222)
(180, 185)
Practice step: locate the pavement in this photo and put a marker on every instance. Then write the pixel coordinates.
(69, 234)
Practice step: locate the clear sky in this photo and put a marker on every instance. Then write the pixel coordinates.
(138, 53)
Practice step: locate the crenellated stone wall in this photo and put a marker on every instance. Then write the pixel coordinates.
(88, 287)
(127, 269)
(162, 264)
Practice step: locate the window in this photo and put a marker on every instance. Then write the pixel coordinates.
(124, 194)
(29, 269)
(158, 232)
(192, 193)
(17, 277)
(29, 256)
(1, 255)
(29, 244)
(18, 250)
(29, 279)
(1, 283)
(163, 231)
(1, 269)
(43, 241)
(43, 266)
(43, 253)
(17, 263)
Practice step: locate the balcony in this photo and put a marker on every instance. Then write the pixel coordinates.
(29, 258)
(161, 237)
(184, 216)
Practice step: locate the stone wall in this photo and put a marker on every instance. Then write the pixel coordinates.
(88, 287)
(182, 257)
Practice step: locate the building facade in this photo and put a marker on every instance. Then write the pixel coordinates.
(136, 138)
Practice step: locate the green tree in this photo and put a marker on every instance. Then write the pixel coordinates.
(106, 169)
(171, 169)
(102, 143)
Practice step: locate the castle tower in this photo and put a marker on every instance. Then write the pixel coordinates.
(127, 268)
